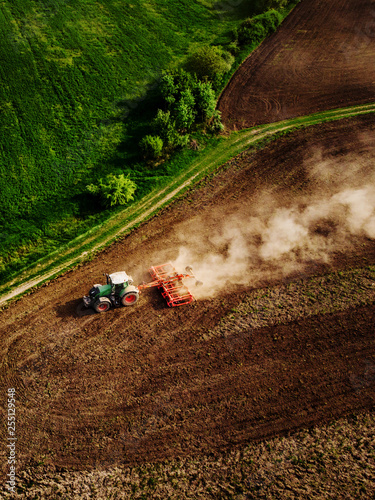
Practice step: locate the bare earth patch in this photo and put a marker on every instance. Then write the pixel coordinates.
(184, 387)
(328, 461)
(322, 57)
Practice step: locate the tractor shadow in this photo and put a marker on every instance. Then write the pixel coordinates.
(154, 300)
(73, 309)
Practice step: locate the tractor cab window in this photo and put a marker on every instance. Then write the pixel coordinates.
(118, 288)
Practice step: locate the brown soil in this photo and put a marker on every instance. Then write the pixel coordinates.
(149, 382)
(303, 68)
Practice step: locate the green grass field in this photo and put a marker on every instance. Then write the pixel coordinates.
(74, 76)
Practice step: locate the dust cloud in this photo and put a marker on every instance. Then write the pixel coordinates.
(277, 234)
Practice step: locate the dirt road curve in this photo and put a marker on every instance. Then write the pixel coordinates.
(321, 58)
(150, 382)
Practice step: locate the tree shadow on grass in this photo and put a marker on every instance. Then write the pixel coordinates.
(237, 9)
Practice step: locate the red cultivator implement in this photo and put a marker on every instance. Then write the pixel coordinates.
(170, 282)
(120, 291)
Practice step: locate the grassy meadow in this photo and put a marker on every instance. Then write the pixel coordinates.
(74, 76)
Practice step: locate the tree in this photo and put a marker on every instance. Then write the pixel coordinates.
(173, 84)
(205, 100)
(215, 125)
(165, 126)
(271, 20)
(168, 88)
(152, 146)
(251, 31)
(209, 63)
(114, 189)
(184, 110)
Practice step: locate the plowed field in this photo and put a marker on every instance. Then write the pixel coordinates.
(322, 57)
(149, 382)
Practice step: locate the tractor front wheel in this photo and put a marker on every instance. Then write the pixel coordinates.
(102, 305)
(129, 299)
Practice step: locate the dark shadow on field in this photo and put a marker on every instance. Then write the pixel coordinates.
(238, 9)
(138, 116)
(87, 204)
(73, 309)
(76, 309)
(155, 299)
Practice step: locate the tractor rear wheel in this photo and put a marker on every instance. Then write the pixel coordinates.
(129, 298)
(102, 305)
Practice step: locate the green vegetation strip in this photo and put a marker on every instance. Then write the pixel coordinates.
(215, 154)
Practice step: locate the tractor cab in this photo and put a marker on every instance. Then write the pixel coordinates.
(118, 281)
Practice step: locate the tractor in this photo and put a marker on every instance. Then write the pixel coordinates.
(120, 291)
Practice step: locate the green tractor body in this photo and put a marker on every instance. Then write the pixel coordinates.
(103, 291)
(119, 290)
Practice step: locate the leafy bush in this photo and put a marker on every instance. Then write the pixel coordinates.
(205, 100)
(215, 125)
(181, 140)
(165, 126)
(187, 98)
(114, 190)
(253, 30)
(168, 88)
(184, 110)
(233, 47)
(271, 20)
(209, 63)
(189, 101)
(152, 146)
(173, 84)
